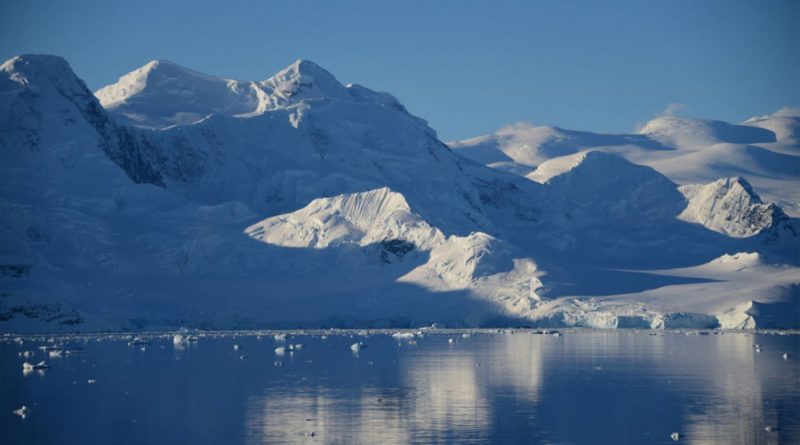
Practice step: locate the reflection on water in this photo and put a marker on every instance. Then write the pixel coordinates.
(580, 387)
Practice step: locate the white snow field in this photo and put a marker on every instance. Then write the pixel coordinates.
(177, 199)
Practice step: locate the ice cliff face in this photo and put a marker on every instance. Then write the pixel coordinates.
(190, 200)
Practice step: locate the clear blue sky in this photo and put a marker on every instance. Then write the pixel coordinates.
(467, 67)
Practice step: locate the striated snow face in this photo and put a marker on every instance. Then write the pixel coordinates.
(729, 206)
(375, 216)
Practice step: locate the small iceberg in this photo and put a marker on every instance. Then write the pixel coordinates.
(786, 356)
(179, 340)
(30, 367)
(280, 350)
(403, 335)
(676, 436)
(279, 337)
(355, 347)
(22, 412)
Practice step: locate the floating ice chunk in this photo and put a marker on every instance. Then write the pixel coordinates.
(91, 381)
(770, 428)
(22, 412)
(451, 340)
(235, 347)
(297, 346)
(355, 347)
(242, 357)
(403, 335)
(55, 353)
(675, 436)
(138, 341)
(179, 340)
(786, 356)
(466, 335)
(30, 367)
(26, 354)
(279, 337)
(280, 350)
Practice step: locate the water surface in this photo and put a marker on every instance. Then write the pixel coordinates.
(582, 387)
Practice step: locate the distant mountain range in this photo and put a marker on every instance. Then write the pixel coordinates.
(176, 199)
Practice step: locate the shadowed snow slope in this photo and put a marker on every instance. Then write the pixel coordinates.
(302, 202)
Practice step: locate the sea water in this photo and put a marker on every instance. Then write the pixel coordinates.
(463, 387)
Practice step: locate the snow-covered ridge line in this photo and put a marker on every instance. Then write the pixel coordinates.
(332, 206)
(162, 94)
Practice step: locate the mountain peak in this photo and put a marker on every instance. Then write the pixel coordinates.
(729, 206)
(304, 79)
(33, 68)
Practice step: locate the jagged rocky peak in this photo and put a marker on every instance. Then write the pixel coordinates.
(730, 206)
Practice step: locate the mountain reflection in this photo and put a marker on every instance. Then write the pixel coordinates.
(584, 387)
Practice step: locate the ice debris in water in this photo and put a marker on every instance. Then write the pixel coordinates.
(235, 347)
(22, 412)
(786, 356)
(179, 340)
(29, 367)
(279, 337)
(280, 350)
(355, 347)
(676, 436)
(26, 354)
(451, 340)
(403, 335)
(770, 428)
(91, 381)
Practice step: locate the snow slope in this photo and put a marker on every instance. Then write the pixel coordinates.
(299, 201)
(764, 150)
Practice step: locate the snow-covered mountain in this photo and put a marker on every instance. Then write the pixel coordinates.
(764, 150)
(173, 198)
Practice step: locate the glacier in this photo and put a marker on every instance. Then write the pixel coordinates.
(177, 199)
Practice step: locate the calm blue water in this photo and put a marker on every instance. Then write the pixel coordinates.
(583, 387)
